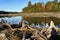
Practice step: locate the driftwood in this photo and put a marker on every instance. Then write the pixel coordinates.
(27, 32)
(9, 32)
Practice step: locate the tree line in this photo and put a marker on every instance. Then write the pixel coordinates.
(50, 6)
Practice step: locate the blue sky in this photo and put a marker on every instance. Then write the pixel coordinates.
(16, 5)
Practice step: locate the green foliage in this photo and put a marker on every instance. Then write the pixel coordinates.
(50, 6)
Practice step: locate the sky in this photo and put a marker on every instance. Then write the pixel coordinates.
(16, 5)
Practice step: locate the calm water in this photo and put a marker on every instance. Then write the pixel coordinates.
(13, 20)
(17, 19)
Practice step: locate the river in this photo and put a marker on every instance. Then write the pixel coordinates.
(13, 20)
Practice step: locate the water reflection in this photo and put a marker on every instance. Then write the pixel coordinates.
(13, 20)
(17, 19)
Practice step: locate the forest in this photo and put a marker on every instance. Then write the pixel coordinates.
(6, 12)
(50, 6)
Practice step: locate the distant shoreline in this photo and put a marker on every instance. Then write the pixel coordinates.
(42, 14)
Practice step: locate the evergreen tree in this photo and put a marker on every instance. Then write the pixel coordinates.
(55, 0)
(29, 4)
